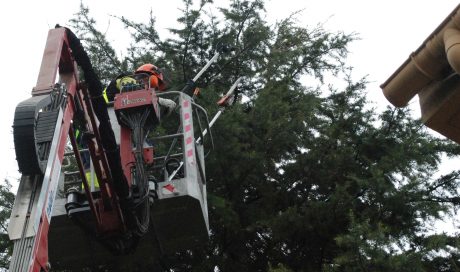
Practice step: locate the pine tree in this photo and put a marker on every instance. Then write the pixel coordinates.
(305, 176)
(6, 206)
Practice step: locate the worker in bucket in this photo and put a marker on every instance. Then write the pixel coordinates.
(147, 75)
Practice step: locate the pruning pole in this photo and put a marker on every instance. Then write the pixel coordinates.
(223, 103)
(190, 85)
(213, 59)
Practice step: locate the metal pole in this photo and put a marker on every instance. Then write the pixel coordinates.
(213, 59)
(211, 123)
(221, 110)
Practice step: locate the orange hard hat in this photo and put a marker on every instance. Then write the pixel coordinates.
(156, 76)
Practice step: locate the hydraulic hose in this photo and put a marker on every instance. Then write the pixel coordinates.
(95, 89)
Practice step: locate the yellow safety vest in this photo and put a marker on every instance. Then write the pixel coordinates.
(123, 82)
(88, 178)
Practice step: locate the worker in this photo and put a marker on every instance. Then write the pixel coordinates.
(156, 78)
(147, 75)
(86, 160)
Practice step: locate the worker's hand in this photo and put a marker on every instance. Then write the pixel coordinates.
(167, 105)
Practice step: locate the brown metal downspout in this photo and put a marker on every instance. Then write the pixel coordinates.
(452, 48)
(438, 54)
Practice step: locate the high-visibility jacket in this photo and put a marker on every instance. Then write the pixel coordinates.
(121, 83)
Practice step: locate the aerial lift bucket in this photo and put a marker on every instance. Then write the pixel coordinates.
(180, 215)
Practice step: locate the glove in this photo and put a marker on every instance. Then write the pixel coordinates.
(167, 105)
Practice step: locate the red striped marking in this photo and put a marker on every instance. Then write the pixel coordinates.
(189, 140)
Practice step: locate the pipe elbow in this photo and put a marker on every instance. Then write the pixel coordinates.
(451, 40)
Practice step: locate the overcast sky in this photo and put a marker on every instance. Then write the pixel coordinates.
(389, 30)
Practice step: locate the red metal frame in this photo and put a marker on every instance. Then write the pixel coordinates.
(109, 215)
(128, 100)
(106, 209)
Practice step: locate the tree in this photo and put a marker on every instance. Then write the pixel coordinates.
(6, 205)
(306, 177)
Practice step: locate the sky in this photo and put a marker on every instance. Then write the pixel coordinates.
(389, 31)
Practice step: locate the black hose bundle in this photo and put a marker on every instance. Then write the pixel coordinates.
(95, 89)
